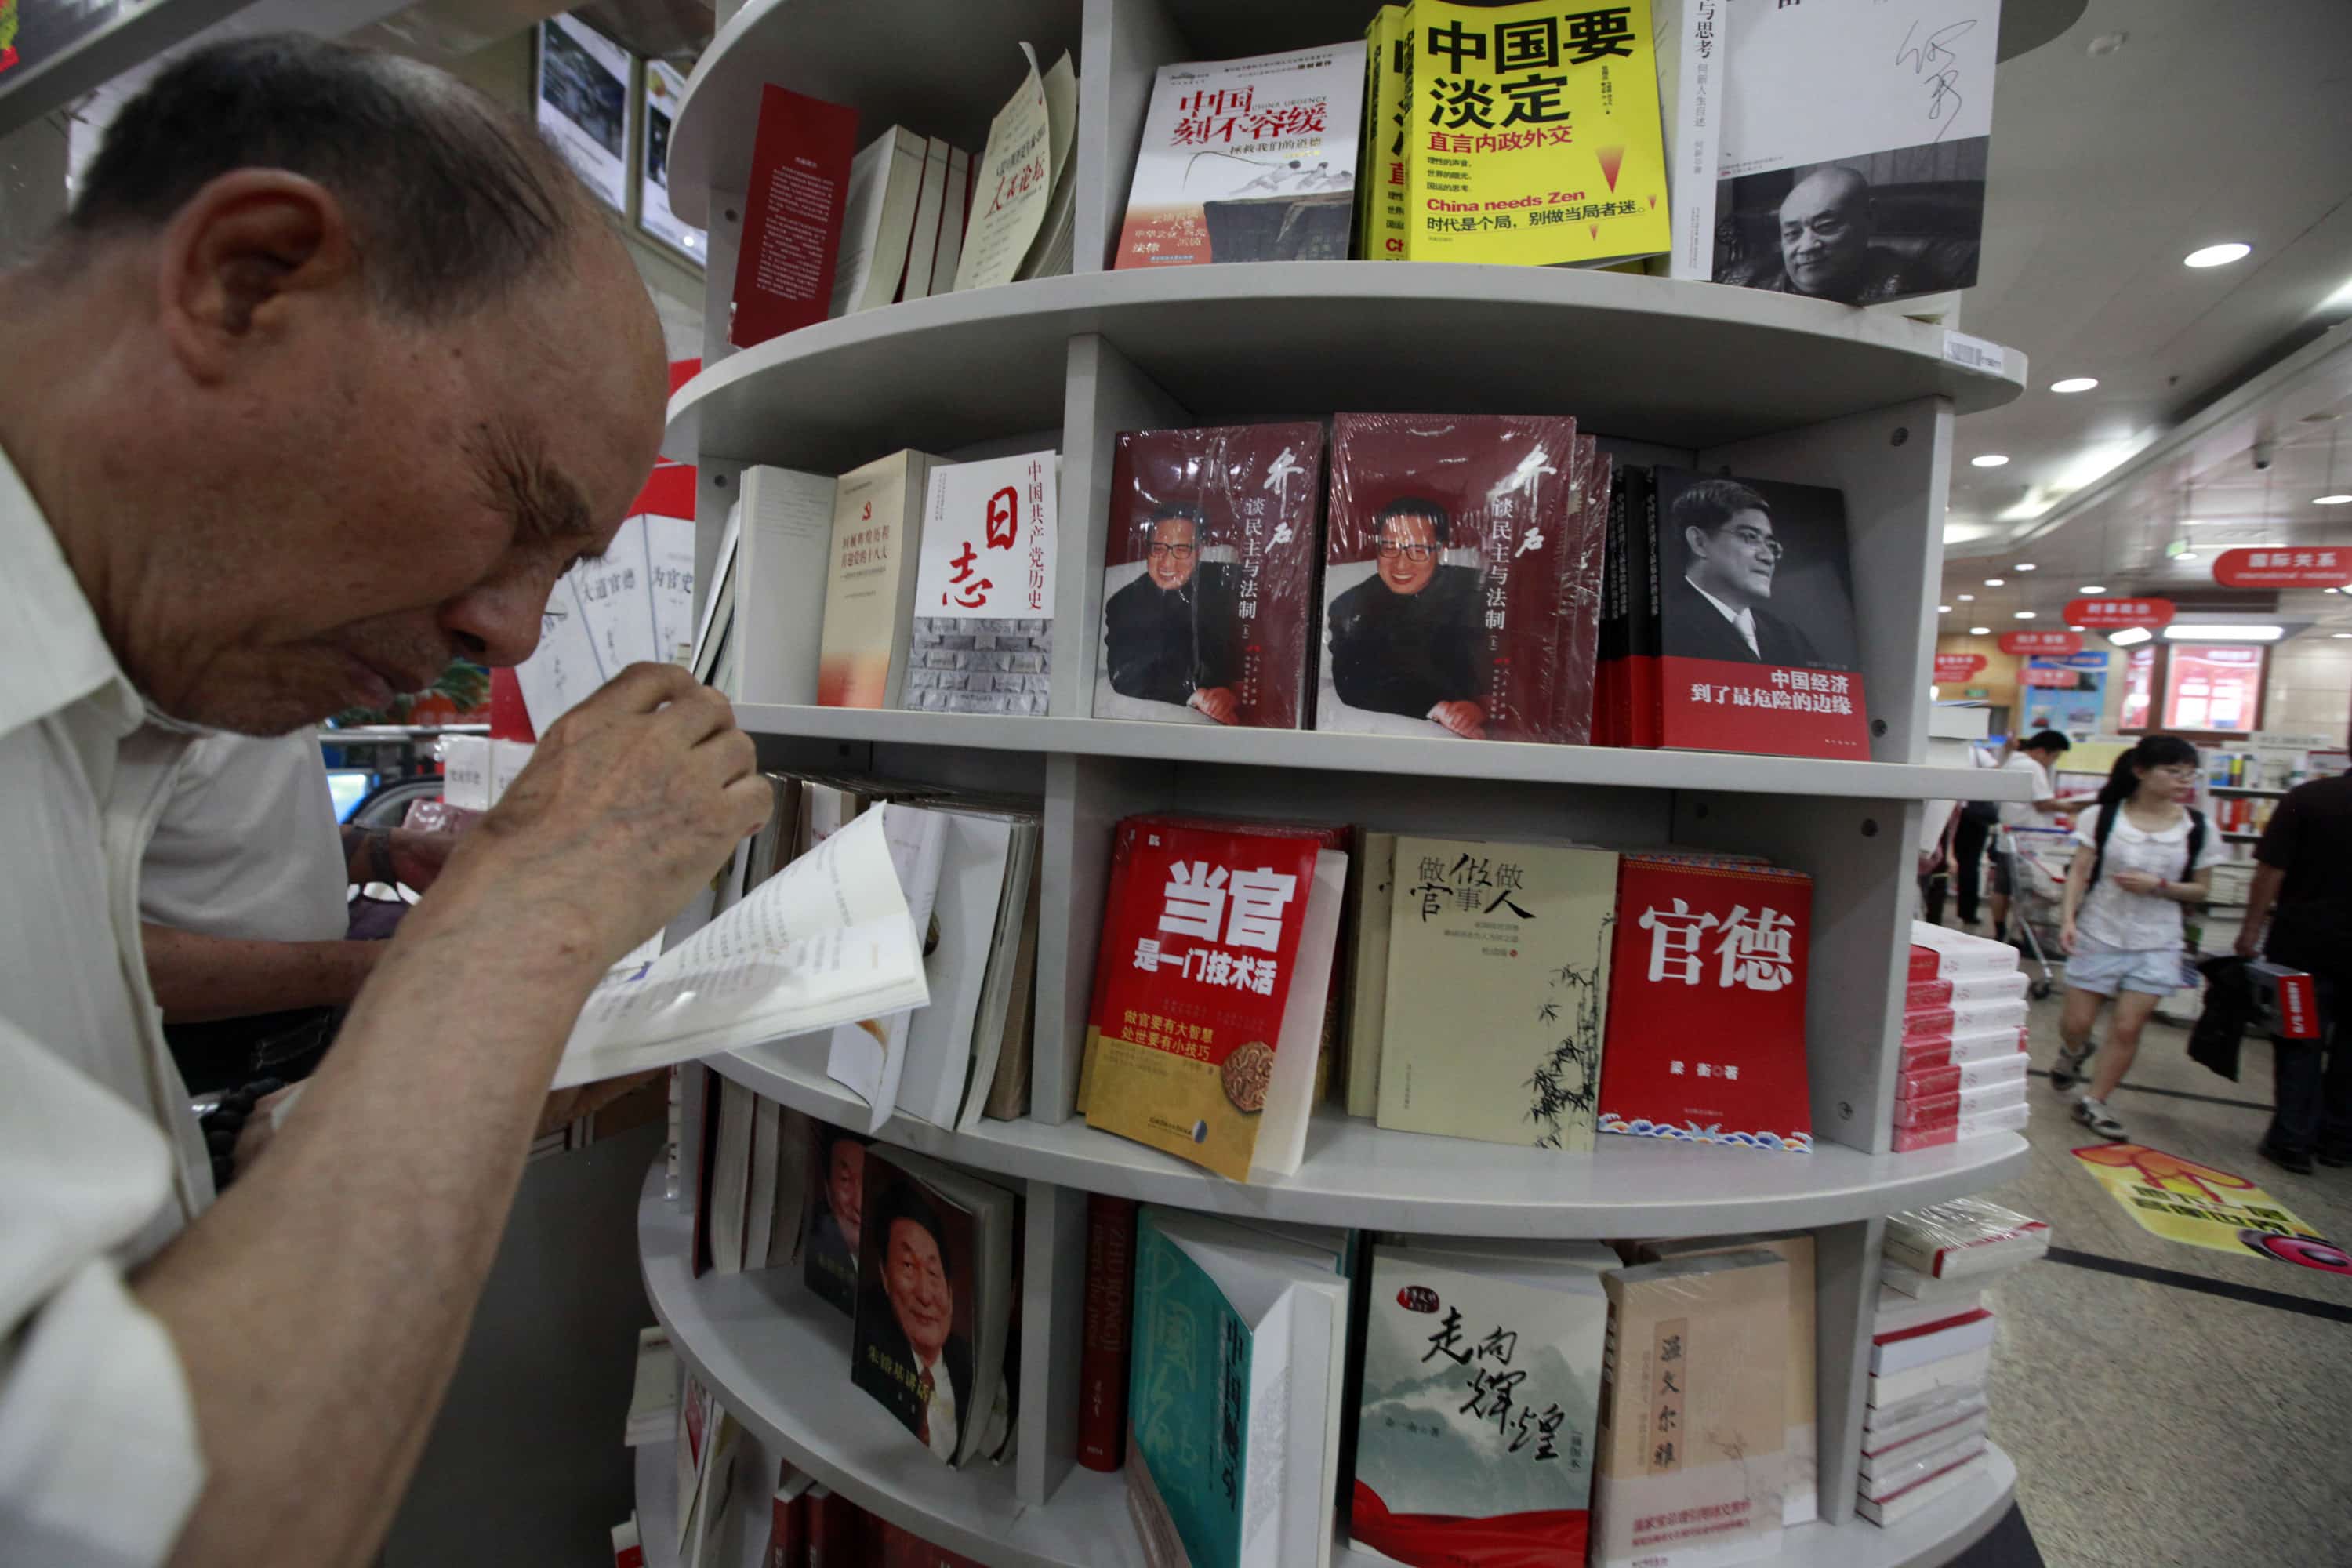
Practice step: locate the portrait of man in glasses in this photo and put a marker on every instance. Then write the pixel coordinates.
(1173, 635)
(1409, 639)
(1718, 606)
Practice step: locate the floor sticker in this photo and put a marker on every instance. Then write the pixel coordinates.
(2198, 1205)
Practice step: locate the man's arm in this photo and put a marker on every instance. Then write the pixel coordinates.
(319, 1307)
(391, 855)
(198, 978)
(2260, 897)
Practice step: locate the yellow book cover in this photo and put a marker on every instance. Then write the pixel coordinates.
(1386, 165)
(870, 582)
(1534, 135)
(1497, 991)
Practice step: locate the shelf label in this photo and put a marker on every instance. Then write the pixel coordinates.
(1973, 353)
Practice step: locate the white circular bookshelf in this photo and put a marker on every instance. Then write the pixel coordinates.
(1686, 365)
(779, 1361)
(1361, 1175)
(1513, 761)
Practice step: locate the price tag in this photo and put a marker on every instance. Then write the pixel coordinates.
(1974, 353)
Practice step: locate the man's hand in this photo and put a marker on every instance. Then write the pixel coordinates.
(2249, 941)
(418, 857)
(1218, 703)
(1466, 719)
(629, 803)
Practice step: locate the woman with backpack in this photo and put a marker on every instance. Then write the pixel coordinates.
(2143, 854)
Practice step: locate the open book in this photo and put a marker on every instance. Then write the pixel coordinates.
(828, 940)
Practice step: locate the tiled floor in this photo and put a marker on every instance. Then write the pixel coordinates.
(2153, 1424)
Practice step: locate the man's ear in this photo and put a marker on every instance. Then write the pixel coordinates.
(239, 256)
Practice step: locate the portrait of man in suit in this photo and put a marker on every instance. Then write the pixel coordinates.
(830, 1264)
(909, 1354)
(1173, 635)
(1409, 639)
(1718, 606)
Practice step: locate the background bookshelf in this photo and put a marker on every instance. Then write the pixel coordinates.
(1762, 384)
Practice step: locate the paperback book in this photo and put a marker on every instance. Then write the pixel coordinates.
(869, 595)
(835, 1216)
(1248, 160)
(983, 603)
(801, 156)
(1209, 576)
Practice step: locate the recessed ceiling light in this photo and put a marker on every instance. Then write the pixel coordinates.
(2024, 614)
(2332, 500)
(1946, 609)
(2178, 632)
(2078, 628)
(2339, 636)
(2107, 43)
(1996, 582)
(2025, 566)
(2192, 522)
(2130, 634)
(2095, 587)
(1980, 631)
(1966, 598)
(2075, 383)
(1989, 460)
(2220, 255)
(2187, 555)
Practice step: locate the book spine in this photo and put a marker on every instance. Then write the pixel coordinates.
(1103, 1355)
(788, 1531)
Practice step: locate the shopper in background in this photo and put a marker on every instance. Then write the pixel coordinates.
(244, 907)
(2141, 854)
(2037, 757)
(2303, 884)
(1970, 830)
(330, 373)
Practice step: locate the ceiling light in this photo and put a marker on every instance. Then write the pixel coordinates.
(1980, 631)
(2075, 383)
(2178, 632)
(1989, 460)
(2339, 636)
(1995, 582)
(2095, 587)
(1966, 598)
(2129, 635)
(2025, 566)
(2332, 500)
(2218, 255)
(2192, 522)
(1946, 609)
(2339, 301)
(2188, 555)
(2024, 614)
(2078, 628)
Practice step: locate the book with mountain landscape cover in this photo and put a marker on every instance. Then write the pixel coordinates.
(1498, 992)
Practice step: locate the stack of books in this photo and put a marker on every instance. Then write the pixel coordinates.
(1963, 1072)
(1931, 1348)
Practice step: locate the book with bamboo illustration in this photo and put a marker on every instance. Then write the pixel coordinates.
(1497, 991)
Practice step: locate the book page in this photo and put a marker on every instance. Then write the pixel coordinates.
(669, 567)
(825, 941)
(869, 1055)
(1012, 187)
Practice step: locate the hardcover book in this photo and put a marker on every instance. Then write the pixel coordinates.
(1707, 1005)
(983, 607)
(1534, 137)
(1447, 541)
(1247, 160)
(1474, 1428)
(1692, 1409)
(869, 591)
(1758, 648)
(1498, 992)
(1109, 1318)
(1210, 991)
(1852, 147)
(801, 154)
(1209, 576)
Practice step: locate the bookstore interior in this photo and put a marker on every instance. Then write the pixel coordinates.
(1203, 717)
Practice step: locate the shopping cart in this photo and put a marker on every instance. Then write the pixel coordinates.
(2037, 900)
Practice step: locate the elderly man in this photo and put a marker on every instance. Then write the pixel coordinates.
(1407, 640)
(1173, 633)
(327, 376)
(1826, 226)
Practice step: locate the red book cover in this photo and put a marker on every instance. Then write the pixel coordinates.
(1609, 653)
(787, 1521)
(1200, 943)
(1444, 542)
(1707, 1005)
(1102, 1354)
(509, 717)
(792, 217)
(902, 1548)
(1582, 567)
(1953, 1019)
(1757, 650)
(1642, 653)
(1209, 574)
(841, 1533)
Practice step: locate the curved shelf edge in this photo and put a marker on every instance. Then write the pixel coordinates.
(1511, 761)
(749, 1338)
(1356, 1174)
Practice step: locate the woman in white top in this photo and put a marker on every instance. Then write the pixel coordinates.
(2142, 854)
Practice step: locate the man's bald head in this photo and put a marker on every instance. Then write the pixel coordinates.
(453, 201)
(1825, 230)
(371, 369)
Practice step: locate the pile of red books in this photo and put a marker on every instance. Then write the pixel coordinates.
(1963, 1072)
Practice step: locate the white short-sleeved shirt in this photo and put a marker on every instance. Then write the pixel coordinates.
(248, 845)
(2016, 813)
(101, 1163)
(2114, 917)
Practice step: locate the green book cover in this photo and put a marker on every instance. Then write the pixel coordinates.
(1188, 1396)
(1499, 990)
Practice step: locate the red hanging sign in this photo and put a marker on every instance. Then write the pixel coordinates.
(2107, 615)
(2045, 675)
(2307, 566)
(1951, 669)
(2040, 642)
